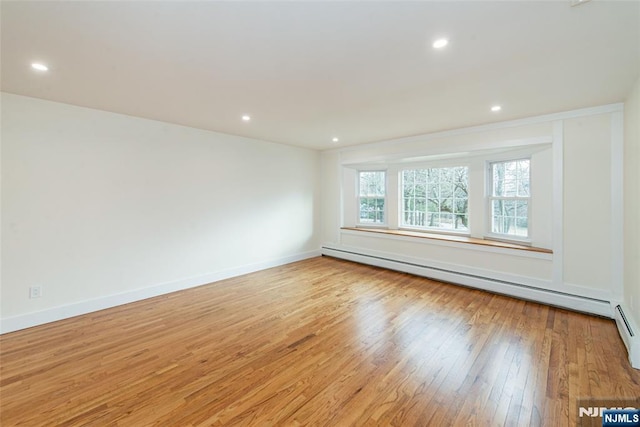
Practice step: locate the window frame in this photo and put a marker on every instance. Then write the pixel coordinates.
(426, 229)
(385, 210)
(489, 197)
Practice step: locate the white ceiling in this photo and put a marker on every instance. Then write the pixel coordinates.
(309, 71)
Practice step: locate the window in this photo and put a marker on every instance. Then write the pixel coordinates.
(371, 197)
(436, 198)
(509, 198)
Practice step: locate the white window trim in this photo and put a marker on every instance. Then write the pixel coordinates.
(489, 198)
(385, 223)
(430, 165)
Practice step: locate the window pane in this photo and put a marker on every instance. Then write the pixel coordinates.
(368, 211)
(511, 179)
(498, 178)
(408, 190)
(509, 187)
(496, 224)
(431, 220)
(522, 208)
(372, 185)
(363, 210)
(433, 177)
(523, 178)
(460, 206)
(511, 182)
(408, 218)
(446, 220)
(509, 226)
(510, 171)
(496, 208)
(364, 183)
(460, 191)
(446, 187)
(522, 227)
(406, 204)
(407, 179)
(509, 208)
(435, 198)
(461, 222)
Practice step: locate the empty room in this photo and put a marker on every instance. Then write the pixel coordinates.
(323, 213)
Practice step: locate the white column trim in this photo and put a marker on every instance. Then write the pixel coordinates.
(617, 204)
(558, 202)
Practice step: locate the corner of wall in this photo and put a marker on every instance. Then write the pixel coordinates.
(632, 204)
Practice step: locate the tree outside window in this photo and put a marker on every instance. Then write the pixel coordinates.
(510, 197)
(436, 198)
(371, 197)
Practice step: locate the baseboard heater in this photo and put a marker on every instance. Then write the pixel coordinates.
(519, 290)
(622, 321)
(628, 334)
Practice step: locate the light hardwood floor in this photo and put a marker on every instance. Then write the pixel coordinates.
(318, 342)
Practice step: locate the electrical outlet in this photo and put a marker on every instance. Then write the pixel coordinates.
(35, 291)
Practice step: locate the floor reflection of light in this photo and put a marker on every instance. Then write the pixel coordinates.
(438, 351)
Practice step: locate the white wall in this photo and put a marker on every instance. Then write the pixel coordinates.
(579, 218)
(587, 201)
(632, 202)
(101, 208)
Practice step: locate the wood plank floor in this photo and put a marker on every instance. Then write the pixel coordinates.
(318, 342)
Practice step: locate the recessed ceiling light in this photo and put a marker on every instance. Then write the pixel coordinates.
(335, 140)
(440, 43)
(496, 108)
(39, 67)
(577, 2)
(246, 118)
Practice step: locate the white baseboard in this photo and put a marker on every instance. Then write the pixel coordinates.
(526, 291)
(28, 320)
(629, 331)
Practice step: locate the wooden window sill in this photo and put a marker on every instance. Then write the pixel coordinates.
(451, 238)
